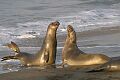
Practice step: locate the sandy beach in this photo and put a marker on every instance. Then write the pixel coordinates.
(59, 74)
(95, 41)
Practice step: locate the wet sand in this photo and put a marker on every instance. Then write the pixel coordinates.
(98, 37)
(59, 74)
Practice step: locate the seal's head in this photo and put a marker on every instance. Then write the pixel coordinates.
(71, 35)
(54, 25)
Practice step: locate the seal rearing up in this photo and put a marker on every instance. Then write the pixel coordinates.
(47, 53)
(72, 55)
(70, 43)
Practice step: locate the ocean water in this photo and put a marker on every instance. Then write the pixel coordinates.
(27, 19)
(22, 20)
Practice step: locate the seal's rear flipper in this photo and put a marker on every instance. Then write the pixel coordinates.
(14, 47)
(8, 58)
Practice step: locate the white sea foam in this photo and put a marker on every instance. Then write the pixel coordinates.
(92, 19)
(25, 36)
(114, 46)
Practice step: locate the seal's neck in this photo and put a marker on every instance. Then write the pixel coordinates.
(51, 33)
(50, 37)
(71, 38)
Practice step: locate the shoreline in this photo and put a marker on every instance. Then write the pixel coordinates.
(36, 42)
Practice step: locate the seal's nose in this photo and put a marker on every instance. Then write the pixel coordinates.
(57, 23)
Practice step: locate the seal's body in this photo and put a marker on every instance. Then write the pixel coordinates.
(72, 55)
(45, 56)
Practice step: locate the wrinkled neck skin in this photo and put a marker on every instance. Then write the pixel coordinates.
(70, 47)
(74, 43)
(70, 40)
(50, 37)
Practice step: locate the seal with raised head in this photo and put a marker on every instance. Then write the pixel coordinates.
(72, 55)
(45, 56)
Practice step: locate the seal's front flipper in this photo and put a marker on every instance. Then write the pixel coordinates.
(46, 57)
(14, 47)
(8, 58)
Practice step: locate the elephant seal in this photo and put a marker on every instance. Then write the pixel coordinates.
(45, 56)
(111, 65)
(71, 55)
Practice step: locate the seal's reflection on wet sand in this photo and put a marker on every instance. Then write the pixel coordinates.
(72, 73)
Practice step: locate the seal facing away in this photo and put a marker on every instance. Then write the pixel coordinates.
(112, 65)
(45, 56)
(71, 54)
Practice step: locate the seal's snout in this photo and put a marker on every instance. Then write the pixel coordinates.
(56, 23)
(70, 28)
